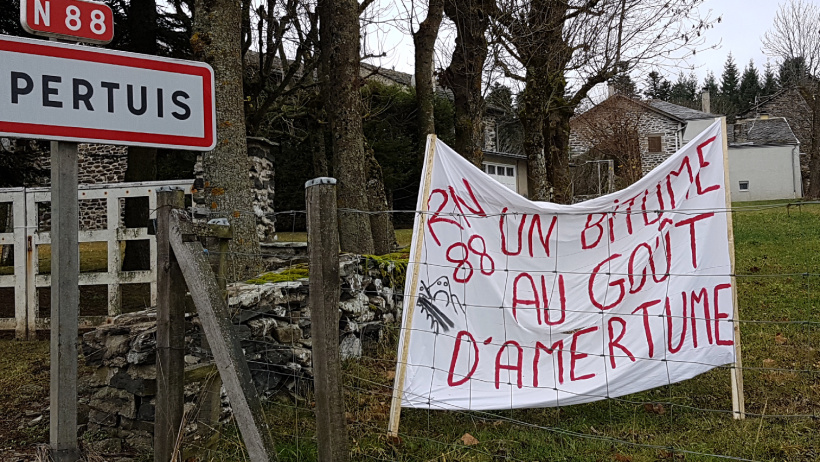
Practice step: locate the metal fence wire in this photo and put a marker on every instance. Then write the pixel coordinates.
(778, 286)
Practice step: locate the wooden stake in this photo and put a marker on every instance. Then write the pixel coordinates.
(65, 301)
(738, 399)
(410, 300)
(323, 244)
(216, 322)
(170, 331)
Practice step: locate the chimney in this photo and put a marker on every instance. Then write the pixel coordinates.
(739, 132)
(610, 90)
(706, 105)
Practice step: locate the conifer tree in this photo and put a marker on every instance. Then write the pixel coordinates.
(685, 90)
(710, 85)
(749, 86)
(657, 87)
(769, 85)
(730, 88)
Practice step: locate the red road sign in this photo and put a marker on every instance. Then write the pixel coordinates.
(83, 94)
(78, 20)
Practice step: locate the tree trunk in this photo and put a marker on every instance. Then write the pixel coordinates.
(316, 138)
(814, 145)
(142, 162)
(339, 22)
(424, 40)
(228, 189)
(384, 236)
(142, 25)
(557, 136)
(464, 74)
(532, 115)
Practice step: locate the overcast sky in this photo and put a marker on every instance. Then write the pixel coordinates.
(743, 23)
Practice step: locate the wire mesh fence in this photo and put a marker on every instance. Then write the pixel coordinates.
(778, 282)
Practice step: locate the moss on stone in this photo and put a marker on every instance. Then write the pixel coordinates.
(392, 267)
(290, 274)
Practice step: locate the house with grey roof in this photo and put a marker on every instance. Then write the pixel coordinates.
(764, 160)
(659, 128)
(764, 154)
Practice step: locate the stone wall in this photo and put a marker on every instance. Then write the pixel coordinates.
(272, 320)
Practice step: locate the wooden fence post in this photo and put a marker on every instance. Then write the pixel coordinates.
(323, 244)
(170, 331)
(216, 323)
(211, 402)
(65, 301)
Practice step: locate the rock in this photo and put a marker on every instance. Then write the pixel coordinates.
(145, 341)
(82, 413)
(113, 401)
(116, 345)
(136, 357)
(350, 347)
(266, 380)
(141, 441)
(106, 446)
(146, 411)
(108, 419)
(302, 356)
(378, 302)
(388, 294)
(350, 326)
(288, 334)
(277, 354)
(372, 331)
(138, 425)
(358, 308)
(262, 327)
(135, 383)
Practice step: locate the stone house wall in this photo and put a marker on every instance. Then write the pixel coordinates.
(587, 129)
(98, 164)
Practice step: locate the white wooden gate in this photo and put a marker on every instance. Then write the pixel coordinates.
(26, 237)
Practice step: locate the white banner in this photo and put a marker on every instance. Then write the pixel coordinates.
(529, 304)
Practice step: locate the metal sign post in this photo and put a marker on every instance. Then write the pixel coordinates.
(65, 301)
(73, 94)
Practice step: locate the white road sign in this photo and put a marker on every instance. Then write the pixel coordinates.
(83, 94)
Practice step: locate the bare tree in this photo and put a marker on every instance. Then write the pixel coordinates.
(424, 41)
(794, 38)
(280, 50)
(562, 49)
(340, 44)
(464, 74)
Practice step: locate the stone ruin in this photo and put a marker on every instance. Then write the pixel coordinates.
(272, 321)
